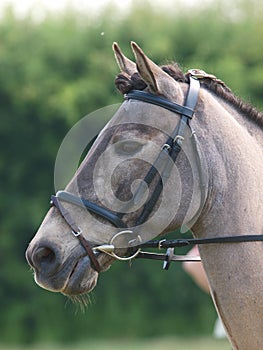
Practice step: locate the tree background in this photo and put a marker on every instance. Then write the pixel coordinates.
(53, 72)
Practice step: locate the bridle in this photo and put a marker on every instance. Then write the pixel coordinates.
(164, 163)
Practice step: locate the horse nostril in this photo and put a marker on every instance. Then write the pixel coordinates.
(43, 257)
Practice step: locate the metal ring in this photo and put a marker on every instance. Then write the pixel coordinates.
(126, 258)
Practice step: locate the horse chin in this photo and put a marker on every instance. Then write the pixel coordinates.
(81, 280)
(84, 287)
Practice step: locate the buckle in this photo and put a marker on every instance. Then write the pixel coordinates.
(166, 147)
(77, 233)
(168, 258)
(200, 74)
(179, 140)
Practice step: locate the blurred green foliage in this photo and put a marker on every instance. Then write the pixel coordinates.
(168, 343)
(52, 73)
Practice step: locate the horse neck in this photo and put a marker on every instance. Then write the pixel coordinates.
(232, 146)
(234, 206)
(253, 128)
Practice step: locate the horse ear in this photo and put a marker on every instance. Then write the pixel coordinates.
(124, 63)
(152, 74)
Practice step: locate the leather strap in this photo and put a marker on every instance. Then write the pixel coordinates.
(76, 231)
(181, 242)
(173, 243)
(66, 215)
(89, 250)
(172, 147)
(92, 207)
(159, 101)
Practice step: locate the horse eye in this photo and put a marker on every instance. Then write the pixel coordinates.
(128, 147)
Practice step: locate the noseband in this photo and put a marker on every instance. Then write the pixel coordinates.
(164, 161)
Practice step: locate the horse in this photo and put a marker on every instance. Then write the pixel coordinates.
(181, 151)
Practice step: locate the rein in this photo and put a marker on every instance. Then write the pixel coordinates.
(178, 243)
(164, 161)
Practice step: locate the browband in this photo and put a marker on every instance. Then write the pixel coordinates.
(159, 101)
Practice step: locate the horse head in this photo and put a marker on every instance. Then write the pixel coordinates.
(132, 147)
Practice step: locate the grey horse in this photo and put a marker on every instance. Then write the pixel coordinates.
(230, 140)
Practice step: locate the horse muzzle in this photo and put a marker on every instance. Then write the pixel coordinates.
(72, 276)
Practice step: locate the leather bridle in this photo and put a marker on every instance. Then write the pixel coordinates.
(164, 162)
